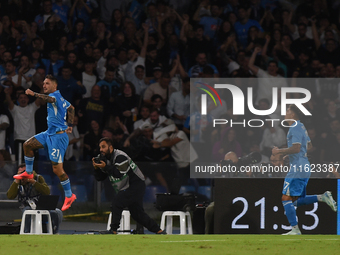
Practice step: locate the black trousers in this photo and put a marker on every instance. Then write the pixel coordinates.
(132, 198)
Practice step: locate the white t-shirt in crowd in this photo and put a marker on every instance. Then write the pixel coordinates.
(138, 124)
(24, 124)
(182, 152)
(88, 82)
(3, 119)
(266, 85)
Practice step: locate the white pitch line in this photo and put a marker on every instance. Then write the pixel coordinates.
(314, 239)
(191, 241)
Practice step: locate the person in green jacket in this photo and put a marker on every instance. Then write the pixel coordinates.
(28, 191)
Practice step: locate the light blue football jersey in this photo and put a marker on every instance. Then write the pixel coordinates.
(56, 114)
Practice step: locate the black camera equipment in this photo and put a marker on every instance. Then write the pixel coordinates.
(251, 158)
(99, 158)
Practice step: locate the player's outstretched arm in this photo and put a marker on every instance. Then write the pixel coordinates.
(46, 98)
(295, 148)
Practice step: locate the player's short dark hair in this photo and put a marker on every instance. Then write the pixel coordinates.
(107, 140)
(299, 114)
(51, 78)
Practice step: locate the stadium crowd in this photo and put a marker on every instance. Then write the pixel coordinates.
(125, 66)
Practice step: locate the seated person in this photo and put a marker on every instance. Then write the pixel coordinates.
(30, 190)
(209, 211)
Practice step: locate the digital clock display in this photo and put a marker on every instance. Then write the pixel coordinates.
(253, 206)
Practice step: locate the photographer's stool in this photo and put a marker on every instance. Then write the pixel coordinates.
(36, 222)
(124, 223)
(183, 218)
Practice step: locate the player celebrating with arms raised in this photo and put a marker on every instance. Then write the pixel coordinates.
(294, 188)
(60, 114)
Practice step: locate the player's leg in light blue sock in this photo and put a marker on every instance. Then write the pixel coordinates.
(67, 187)
(29, 164)
(307, 200)
(290, 212)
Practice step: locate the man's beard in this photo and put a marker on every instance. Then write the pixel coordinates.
(107, 154)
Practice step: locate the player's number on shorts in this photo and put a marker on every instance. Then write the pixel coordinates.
(54, 151)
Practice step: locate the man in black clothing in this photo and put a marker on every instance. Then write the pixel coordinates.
(303, 42)
(128, 181)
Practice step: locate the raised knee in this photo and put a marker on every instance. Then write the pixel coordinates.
(285, 198)
(26, 145)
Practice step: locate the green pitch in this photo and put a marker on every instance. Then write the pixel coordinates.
(169, 244)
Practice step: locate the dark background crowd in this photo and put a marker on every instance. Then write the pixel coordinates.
(125, 66)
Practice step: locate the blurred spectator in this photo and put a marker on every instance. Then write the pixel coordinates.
(7, 170)
(138, 79)
(11, 74)
(135, 59)
(25, 73)
(162, 88)
(181, 150)
(128, 104)
(4, 124)
(197, 69)
(179, 104)
(211, 22)
(158, 103)
(78, 35)
(73, 150)
(92, 108)
(53, 64)
(242, 26)
(330, 142)
(61, 10)
(273, 79)
(145, 114)
(91, 141)
(119, 138)
(69, 87)
(316, 140)
(109, 87)
(23, 117)
(114, 63)
(228, 143)
(303, 42)
(88, 78)
(81, 9)
(46, 13)
(272, 136)
(152, 61)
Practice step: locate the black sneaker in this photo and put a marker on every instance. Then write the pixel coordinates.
(108, 232)
(161, 233)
